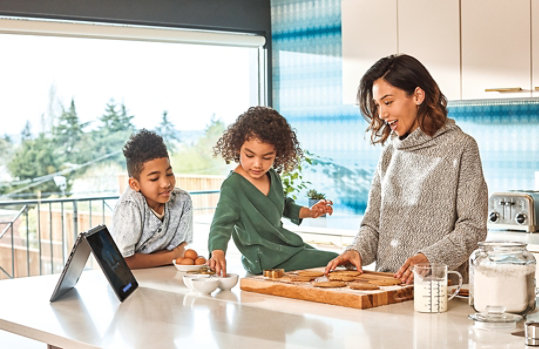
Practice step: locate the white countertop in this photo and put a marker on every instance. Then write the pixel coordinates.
(531, 239)
(162, 313)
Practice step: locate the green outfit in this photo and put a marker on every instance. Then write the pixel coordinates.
(254, 221)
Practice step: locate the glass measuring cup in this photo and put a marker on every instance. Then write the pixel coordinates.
(430, 287)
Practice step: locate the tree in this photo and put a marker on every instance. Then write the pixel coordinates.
(167, 130)
(34, 158)
(68, 137)
(26, 132)
(6, 148)
(115, 129)
(198, 158)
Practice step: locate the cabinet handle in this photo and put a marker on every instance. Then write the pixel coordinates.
(504, 89)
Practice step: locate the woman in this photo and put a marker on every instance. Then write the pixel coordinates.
(428, 200)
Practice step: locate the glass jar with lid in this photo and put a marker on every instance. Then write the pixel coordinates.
(502, 276)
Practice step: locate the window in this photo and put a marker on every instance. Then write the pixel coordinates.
(68, 86)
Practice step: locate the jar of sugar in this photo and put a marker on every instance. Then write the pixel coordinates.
(502, 276)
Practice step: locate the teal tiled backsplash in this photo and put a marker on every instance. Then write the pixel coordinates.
(307, 68)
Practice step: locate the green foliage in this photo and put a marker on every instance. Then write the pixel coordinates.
(67, 134)
(6, 148)
(293, 181)
(35, 158)
(170, 135)
(68, 150)
(198, 157)
(26, 132)
(70, 142)
(315, 195)
(115, 128)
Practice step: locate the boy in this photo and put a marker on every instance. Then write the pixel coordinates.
(152, 221)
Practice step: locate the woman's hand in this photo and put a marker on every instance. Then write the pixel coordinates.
(319, 209)
(405, 273)
(217, 262)
(347, 257)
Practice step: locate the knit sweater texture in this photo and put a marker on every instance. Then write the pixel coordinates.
(428, 196)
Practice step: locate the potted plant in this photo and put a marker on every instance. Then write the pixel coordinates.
(314, 196)
(293, 182)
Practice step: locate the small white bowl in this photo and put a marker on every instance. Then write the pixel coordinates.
(185, 268)
(204, 285)
(188, 277)
(227, 282)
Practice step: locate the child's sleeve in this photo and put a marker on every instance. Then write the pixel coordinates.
(184, 230)
(291, 211)
(227, 214)
(126, 227)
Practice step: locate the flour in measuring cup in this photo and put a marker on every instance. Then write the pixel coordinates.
(509, 285)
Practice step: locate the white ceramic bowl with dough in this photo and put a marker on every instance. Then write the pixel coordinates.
(227, 282)
(205, 285)
(188, 277)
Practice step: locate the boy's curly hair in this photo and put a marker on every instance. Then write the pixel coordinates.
(141, 147)
(268, 126)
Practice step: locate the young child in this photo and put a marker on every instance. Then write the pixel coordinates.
(153, 220)
(252, 202)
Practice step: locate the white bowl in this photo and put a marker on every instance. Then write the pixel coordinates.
(204, 285)
(188, 277)
(192, 267)
(227, 282)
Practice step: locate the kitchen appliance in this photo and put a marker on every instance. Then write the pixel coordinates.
(514, 210)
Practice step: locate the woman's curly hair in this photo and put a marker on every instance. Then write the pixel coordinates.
(142, 147)
(407, 73)
(268, 126)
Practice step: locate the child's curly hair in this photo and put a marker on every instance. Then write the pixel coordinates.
(268, 126)
(142, 147)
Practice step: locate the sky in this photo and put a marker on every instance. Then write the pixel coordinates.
(192, 83)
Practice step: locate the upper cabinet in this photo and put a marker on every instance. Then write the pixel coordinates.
(472, 48)
(425, 29)
(535, 47)
(369, 31)
(496, 49)
(429, 31)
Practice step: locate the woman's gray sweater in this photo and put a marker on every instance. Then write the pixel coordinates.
(428, 195)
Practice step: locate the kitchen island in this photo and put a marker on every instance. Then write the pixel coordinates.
(163, 313)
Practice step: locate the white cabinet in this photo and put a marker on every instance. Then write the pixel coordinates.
(369, 32)
(469, 46)
(430, 31)
(495, 47)
(425, 29)
(535, 47)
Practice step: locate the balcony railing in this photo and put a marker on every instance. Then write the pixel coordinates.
(36, 236)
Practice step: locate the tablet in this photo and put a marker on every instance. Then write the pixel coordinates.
(98, 242)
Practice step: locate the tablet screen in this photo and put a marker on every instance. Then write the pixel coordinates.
(111, 261)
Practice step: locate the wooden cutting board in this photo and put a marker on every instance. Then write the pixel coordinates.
(343, 296)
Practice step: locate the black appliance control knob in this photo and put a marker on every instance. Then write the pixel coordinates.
(493, 216)
(520, 218)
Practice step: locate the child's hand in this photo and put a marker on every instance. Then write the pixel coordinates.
(179, 250)
(320, 208)
(217, 262)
